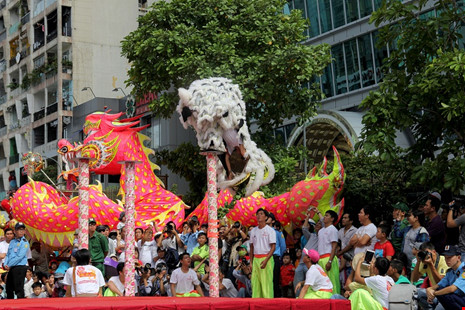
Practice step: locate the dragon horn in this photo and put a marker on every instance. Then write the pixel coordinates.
(322, 170)
(312, 173)
(113, 117)
(338, 168)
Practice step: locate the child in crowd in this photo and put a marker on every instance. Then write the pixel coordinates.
(395, 272)
(37, 291)
(384, 248)
(298, 256)
(200, 252)
(287, 276)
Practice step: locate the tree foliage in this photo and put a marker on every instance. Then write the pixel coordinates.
(422, 92)
(51, 171)
(251, 42)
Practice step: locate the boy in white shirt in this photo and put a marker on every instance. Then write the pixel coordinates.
(262, 247)
(184, 281)
(380, 285)
(84, 280)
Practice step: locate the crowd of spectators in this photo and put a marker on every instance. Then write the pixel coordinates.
(423, 247)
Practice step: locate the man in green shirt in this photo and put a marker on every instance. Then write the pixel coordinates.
(98, 246)
(400, 222)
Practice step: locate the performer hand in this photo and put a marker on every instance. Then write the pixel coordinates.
(263, 264)
(328, 266)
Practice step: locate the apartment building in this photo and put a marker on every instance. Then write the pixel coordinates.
(55, 55)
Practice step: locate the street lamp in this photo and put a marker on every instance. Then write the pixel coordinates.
(89, 88)
(119, 88)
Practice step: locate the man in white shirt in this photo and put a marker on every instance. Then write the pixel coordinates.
(9, 235)
(84, 280)
(147, 248)
(262, 247)
(184, 281)
(365, 237)
(327, 246)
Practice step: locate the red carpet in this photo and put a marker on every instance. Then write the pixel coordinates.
(170, 303)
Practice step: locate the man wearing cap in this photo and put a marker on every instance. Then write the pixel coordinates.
(450, 291)
(435, 226)
(400, 223)
(98, 246)
(458, 222)
(317, 284)
(16, 263)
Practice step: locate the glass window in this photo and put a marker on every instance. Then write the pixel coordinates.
(339, 69)
(380, 54)
(280, 135)
(366, 60)
(327, 82)
(377, 4)
(351, 10)
(338, 13)
(353, 72)
(287, 8)
(325, 15)
(300, 5)
(366, 7)
(312, 12)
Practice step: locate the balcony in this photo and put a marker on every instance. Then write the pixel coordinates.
(2, 34)
(14, 159)
(3, 131)
(37, 45)
(52, 35)
(14, 27)
(2, 4)
(25, 121)
(2, 65)
(39, 115)
(52, 109)
(25, 19)
(14, 125)
(3, 163)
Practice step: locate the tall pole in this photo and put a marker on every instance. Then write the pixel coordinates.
(83, 236)
(213, 224)
(129, 239)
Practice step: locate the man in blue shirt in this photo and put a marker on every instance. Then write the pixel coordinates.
(278, 253)
(450, 291)
(16, 262)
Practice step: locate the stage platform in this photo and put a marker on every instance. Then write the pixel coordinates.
(170, 303)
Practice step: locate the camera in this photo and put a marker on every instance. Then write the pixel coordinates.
(458, 203)
(245, 261)
(169, 227)
(422, 255)
(237, 224)
(161, 267)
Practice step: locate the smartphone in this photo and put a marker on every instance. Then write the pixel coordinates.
(368, 257)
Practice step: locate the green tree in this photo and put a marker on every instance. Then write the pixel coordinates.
(251, 42)
(50, 170)
(422, 91)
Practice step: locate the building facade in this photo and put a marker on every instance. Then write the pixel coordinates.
(54, 55)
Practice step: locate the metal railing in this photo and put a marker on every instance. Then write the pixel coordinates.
(39, 114)
(52, 108)
(14, 159)
(25, 18)
(38, 44)
(52, 35)
(14, 27)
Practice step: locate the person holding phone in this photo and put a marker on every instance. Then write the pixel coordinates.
(380, 284)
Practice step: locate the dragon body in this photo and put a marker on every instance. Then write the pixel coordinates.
(109, 141)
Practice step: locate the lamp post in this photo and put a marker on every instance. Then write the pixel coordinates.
(119, 88)
(89, 88)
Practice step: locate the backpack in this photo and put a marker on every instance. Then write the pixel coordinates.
(171, 258)
(403, 297)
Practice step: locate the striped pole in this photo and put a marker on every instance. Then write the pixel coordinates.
(130, 238)
(83, 236)
(213, 224)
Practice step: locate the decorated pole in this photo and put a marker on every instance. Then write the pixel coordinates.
(213, 224)
(129, 262)
(83, 236)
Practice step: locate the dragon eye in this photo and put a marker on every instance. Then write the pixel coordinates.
(64, 149)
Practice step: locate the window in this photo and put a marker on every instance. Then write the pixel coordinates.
(353, 72)
(338, 13)
(366, 7)
(325, 15)
(327, 82)
(312, 12)
(366, 60)
(351, 10)
(339, 69)
(380, 54)
(300, 5)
